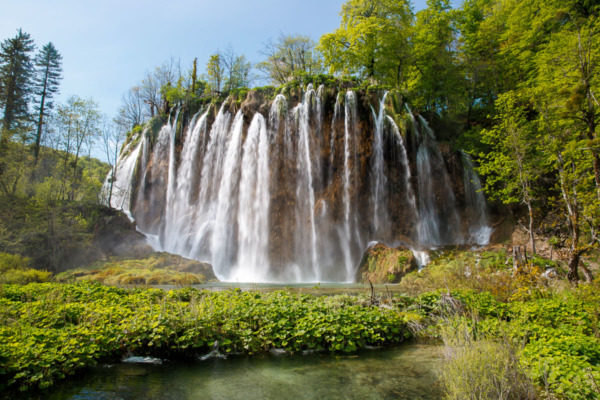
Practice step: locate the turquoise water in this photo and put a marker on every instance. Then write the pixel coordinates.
(407, 372)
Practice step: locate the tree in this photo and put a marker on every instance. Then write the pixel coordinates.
(47, 77)
(435, 79)
(481, 26)
(238, 73)
(512, 167)
(132, 113)
(15, 81)
(372, 40)
(288, 56)
(113, 135)
(151, 88)
(78, 123)
(215, 73)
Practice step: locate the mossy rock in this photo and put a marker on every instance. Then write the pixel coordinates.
(383, 264)
(158, 268)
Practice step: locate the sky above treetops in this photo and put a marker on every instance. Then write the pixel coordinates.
(107, 46)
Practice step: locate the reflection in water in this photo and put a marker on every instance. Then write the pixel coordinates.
(403, 373)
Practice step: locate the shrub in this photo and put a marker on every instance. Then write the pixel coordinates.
(481, 368)
(12, 261)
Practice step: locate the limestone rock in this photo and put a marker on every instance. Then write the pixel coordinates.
(383, 264)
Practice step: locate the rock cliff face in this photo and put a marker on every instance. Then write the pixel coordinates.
(295, 187)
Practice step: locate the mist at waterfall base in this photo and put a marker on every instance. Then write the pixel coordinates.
(297, 194)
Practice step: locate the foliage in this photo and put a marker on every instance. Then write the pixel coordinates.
(481, 367)
(46, 80)
(54, 235)
(288, 56)
(434, 76)
(49, 331)
(551, 330)
(13, 269)
(16, 69)
(372, 40)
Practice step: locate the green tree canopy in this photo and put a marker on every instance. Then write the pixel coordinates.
(289, 56)
(372, 40)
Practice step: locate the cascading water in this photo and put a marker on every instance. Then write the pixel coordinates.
(177, 232)
(253, 211)
(288, 198)
(439, 222)
(120, 197)
(306, 232)
(171, 179)
(201, 225)
(378, 177)
(350, 238)
(410, 193)
(223, 238)
(337, 109)
(479, 229)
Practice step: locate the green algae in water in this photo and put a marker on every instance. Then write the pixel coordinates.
(407, 372)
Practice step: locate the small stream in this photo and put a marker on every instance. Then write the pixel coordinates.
(407, 372)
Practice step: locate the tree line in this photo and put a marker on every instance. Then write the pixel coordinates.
(45, 149)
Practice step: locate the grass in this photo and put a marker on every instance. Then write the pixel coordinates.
(476, 368)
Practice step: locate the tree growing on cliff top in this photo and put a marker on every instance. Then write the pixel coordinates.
(372, 40)
(288, 56)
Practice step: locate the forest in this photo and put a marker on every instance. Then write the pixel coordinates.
(513, 83)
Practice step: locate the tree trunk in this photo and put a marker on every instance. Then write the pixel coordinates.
(531, 236)
(587, 274)
(572, 275)
(38, 135)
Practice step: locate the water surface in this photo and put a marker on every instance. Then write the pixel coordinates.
(407, 372)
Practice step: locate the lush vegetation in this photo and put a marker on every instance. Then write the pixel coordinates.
(49, 331)
(535, 337)
(505, 331)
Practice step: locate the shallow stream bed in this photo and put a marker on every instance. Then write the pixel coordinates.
(407, 372)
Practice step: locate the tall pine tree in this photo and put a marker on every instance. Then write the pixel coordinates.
(47, 77)
(16, 69)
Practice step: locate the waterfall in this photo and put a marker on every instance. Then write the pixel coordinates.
(182, 207)
(306, 232)
(223, 238)
(171, 178)
(378, 196)
(253, 211)
(285, 196)
(212, 163)
(336, 111)
(408, 189)
(350, 239)
(439, 222)
(123, 180)
(479, 229)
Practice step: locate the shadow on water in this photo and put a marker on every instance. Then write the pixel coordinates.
(407, 372)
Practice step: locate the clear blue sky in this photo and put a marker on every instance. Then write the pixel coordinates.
(108, 45)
